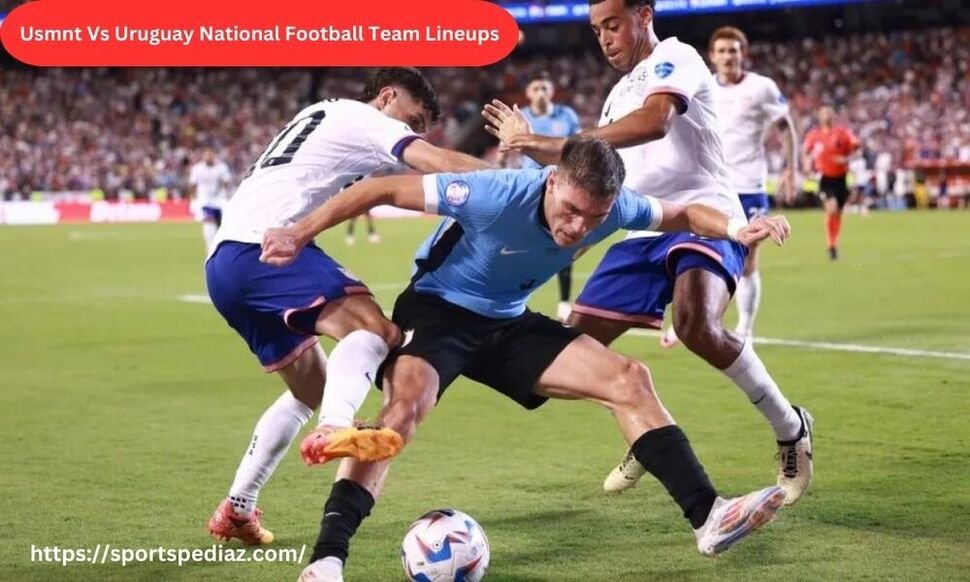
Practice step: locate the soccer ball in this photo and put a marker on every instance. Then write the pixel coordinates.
(445, 544)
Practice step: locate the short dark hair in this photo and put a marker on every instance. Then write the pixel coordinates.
(407, 78)
(628, 3)
(540, 76)
(593, 165)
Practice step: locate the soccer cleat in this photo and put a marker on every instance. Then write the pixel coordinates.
(326, 570)
(833, 253)
(373, 238)
(669, 338)
(349, 240)
(226, 524)
(732, 520)
(362, 443)
(795, 461)
(563, 310)
(626, 475)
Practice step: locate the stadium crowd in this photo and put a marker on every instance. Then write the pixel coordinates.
(906, 94)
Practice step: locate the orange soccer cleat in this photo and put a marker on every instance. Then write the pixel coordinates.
(226, 524)
(362, 443)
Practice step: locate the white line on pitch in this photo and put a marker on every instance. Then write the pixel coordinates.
(768, 341)
(836, 347)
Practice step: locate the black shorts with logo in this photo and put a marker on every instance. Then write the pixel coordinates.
(507, 355)
(834, 188)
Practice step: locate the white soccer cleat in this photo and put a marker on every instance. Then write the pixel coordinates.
(563, 310)
(732, 520)
(795, 461)
(349, 240)
(669, 338)
(373, 238)
(625, 476)
(329, 569)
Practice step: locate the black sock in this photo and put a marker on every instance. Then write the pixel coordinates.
(667, 455)
(347, 506)
(565, 283)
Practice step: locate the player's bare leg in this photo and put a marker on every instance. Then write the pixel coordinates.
(365, 338)
(588, 370)
(747, 297)
(365, 333)
(238, 516)
(833, 226)
(372, 236)
(601, 329)
(349, 239)
(700, 299)
(410, 392)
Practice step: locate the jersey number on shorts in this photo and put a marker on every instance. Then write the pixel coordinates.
(272, 156)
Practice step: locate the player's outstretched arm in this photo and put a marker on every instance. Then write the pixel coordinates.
(282, 245)
(706, 221)
(512, 129)
(649, 123)
(427, 158)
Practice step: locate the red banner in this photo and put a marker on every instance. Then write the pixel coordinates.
(284, 33)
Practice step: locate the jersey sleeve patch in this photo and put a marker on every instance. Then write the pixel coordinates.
(457, 193)
(663, 70)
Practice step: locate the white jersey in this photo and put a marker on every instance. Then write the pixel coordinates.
(687, 165)
(210, 183)
(746, 111)
(327, 146)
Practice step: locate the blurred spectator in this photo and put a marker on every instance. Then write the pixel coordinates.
(128, 131)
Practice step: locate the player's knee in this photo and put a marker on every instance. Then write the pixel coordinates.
(391, 333)
(387, 330)
(696, 330)
(631, 385)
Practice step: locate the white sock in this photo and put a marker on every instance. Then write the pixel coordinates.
(351, 370)
(748, 297)
(274, 432)
(209, 232)
(749, 373)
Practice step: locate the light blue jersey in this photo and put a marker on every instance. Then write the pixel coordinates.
(561, 121)
(495, 250)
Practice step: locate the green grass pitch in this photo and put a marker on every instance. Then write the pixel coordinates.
(124, 411)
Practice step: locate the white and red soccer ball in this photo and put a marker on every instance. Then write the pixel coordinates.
(445, 545)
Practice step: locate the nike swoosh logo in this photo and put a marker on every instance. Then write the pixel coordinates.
(505, 251)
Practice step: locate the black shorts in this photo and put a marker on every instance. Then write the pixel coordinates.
(507, 355)
(834, 188)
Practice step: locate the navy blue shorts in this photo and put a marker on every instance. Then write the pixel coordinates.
(635, 280)
(274, 309)
(212, 214)
(755, 204)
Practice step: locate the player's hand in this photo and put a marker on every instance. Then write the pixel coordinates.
(281, 246)
(762, 227)
(505, 122)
